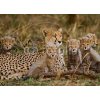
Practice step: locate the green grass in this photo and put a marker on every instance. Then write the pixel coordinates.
(76, 81)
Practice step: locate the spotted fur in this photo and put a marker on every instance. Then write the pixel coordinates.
(53, 38)
(7, 43)
(74, 54)
(56, 63)
(93, 38)
(17, 66)
(86, 45)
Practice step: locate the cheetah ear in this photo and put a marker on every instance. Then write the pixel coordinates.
(13, 40)
(90, 41)
(79, 42)
(45, 32)
(60, 29)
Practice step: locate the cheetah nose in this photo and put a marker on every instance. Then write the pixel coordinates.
(73, 49)
(7, 47)
(96, 43)
(52, 55)
(63, 64)
(59, 41)
(85, 48)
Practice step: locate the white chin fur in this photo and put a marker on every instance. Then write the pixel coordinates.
(58, 44)
(50, 44)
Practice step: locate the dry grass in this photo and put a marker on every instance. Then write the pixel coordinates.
(76, 81)
(29, 27)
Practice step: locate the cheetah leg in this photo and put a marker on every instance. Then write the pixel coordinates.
(76, 69)
(87, 68)
(15, 76)
(58, 75)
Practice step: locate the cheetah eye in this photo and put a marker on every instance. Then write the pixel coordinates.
(93, 41)
(60, 35)
(54, 35)
(9, 44)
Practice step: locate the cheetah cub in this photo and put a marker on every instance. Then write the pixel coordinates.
(93, 38)
(53, 61)
(85, 45)
(7, 43)
(74, 54)
(95, 57)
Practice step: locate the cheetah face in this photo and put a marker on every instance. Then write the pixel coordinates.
(93, 39)
(58, 37)
(53, 38)
(73, 46)
(51, 52)
(85, 43)
(7, 42)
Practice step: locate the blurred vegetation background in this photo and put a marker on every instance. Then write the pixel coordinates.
(29, 27)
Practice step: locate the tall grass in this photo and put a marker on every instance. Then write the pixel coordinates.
(25, 25)
(29, 27)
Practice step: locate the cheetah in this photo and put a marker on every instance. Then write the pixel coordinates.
(7, 43)
(53, 38)
(54, 62)
(93, 39)
(94, 55)
(17, 66)
(85, 45)
(74, 54)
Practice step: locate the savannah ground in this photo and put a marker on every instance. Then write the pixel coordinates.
(28, 27)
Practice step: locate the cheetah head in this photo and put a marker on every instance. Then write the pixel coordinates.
(85, 43)
(51, 52)
(93, 38)
(73, 46)
(7, 42)
(53, 38)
